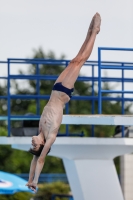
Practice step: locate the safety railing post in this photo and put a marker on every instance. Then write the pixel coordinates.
(37, 90)
(122, 106)
(8, 97)
(93, 102)
(99, 82)
(67, 109)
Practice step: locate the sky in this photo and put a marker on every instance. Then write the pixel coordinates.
(61, 26)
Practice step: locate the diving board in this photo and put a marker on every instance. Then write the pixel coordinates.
(98, 119)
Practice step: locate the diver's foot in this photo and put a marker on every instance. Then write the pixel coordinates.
(96, 23)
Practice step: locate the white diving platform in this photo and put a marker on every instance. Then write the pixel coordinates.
(126, 120)
(88, 161)
(98, 119)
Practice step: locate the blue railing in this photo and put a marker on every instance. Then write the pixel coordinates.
(113, 66)
(38, 97)
(93, 78)
(117, 66)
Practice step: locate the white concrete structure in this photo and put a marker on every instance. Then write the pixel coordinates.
(126, 174)
(88, 161)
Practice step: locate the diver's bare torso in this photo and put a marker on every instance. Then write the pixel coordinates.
(52, 114)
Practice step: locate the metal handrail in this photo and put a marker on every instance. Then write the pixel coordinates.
(100, 65)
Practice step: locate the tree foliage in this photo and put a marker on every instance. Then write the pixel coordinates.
(17, 196)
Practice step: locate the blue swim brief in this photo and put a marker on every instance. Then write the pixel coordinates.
(61, 88)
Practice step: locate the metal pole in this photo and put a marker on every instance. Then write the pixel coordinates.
(37, 90)
(122, 97)
(93, 103)
(67, 110)
(8, 97)
(99, 82)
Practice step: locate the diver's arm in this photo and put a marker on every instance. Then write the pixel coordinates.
(32, 169)
(41, 161)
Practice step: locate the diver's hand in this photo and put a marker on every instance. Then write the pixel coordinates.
(28, 184)
(32, 186)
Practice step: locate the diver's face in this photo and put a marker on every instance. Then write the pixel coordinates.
(36, 143)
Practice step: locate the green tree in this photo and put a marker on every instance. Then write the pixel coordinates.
(46, 190)
(17, 196)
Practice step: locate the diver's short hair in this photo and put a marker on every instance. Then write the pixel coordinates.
(38, 152)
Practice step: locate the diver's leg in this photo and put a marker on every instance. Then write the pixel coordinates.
(70, 74)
